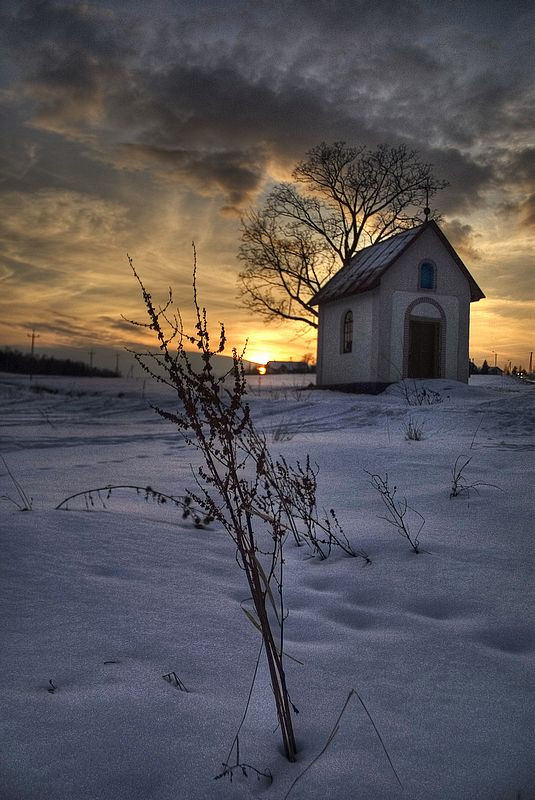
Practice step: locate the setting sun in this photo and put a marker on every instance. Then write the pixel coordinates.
(258, 357)
(89, 174)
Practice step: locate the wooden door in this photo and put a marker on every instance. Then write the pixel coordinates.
(424, 348)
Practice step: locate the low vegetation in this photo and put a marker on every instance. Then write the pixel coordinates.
(21, 500)
(413, 430)
(27, 364)
(258, 500)
(459, 482)
(396, 511)
(416, 394)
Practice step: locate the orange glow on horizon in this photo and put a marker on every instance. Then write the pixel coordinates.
(258, 357)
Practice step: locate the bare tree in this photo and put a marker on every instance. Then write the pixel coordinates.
(342, 199)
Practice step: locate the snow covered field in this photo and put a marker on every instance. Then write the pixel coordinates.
(102, 603)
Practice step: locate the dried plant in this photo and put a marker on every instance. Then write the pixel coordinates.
(291, 494)
(258, 500)
(212, 416)
(99, 497)
(334, 733)
(459, 483)
(22, 501)
(397, 510)
(174, 680)
(285, 430)
(416, 395)
(414, 431)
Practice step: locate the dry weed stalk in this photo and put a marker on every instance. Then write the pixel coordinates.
(416, 395)
(397, 510)
(213, 417)
(24, 502)
(459, 484)
(238, 482)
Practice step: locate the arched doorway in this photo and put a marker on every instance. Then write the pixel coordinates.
(424, 337)
(424, 348)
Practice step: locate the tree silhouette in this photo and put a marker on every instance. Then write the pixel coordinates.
(342, 199)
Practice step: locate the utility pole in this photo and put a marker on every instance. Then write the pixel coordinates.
(91, 354)
(531, 362)
(33, 336)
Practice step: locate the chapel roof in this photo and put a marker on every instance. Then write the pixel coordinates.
(367, 267)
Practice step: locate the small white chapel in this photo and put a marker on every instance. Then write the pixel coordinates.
(399, 309)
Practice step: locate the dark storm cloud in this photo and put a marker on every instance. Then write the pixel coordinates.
(32, 160)
(218, 128)
(515, 175)
(351, 16)
(462, 238)
(64, 44)
(67, 55)
(211, 94)
(211, 122)
(521, 166)
(131, 126)
(225, 170)
(487, 106)
(467, 178)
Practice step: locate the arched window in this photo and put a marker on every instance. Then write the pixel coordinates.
(347, 332)
(427, 275)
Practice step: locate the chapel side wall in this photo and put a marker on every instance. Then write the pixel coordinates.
(335, 367)
(463, 352)
(399, 288)
(319, 351)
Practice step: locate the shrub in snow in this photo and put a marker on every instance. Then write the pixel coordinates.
(238, 483)
(22, 501)
(285, 430)
(213, 417)
(417, 395)
(100, 495)
(413, 431)
(397, 510)
(459, 483)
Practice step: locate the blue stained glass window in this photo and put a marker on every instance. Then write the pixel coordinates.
(427, 275)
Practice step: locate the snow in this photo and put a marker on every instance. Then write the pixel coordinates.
(439, 645)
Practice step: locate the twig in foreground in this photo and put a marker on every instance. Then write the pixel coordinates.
(333, 733)
(24, 503)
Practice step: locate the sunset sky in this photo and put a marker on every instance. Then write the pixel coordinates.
(140, 126)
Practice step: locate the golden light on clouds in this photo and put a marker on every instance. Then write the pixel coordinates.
(126, 130)
(65, 272)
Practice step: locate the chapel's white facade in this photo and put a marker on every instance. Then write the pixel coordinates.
(399, 309)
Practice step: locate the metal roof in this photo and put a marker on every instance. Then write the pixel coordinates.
(366, 268)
